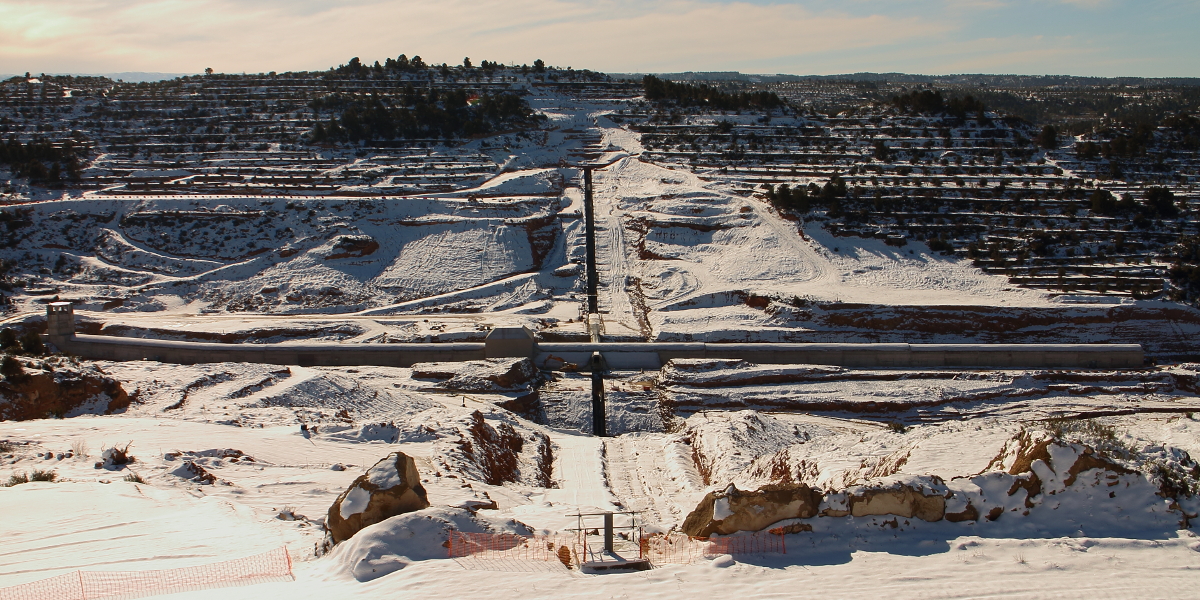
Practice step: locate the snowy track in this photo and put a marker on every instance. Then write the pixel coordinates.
(649, 477)
(579, 471)
(817, 266)
(612, 257)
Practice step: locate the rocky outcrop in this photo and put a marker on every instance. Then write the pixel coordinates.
(493, 374)
(734, 510)
(498, 453)
(391, 487)
(53, 387)
(195, 473)
(1034, 464)
(922, 497)
(968, 513)
(353, 246)
(1093, 487)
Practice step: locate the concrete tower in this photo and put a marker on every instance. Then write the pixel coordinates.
(60, 320)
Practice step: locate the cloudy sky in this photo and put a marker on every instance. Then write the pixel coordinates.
(1075, 37)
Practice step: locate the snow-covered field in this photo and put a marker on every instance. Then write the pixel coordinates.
(272, 483)
(231, 459)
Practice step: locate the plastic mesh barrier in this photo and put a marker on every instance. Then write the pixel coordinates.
(275, 565)
(659, 549)
(499, 546)
(681, 549)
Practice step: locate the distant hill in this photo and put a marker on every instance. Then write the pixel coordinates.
(714, 76)
(961, 79)
(130, 76)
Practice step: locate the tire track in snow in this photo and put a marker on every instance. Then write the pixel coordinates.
(639, 489)
(612, 253)
(646, 479)
(689, 286)
(818, 264)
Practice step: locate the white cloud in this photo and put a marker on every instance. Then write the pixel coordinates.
(796, 36)
(231, 35)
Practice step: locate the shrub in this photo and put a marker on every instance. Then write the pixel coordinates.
(940, 245)
(1092, 432)
(43, 476)
(31, 343)
(11, 368)
(15, 479)
(8, 338)
(134, 478)
(1061, 427)
(118, 456)
(896, 427)
(1176, 480)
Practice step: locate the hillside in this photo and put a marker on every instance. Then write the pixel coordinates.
(208, 209)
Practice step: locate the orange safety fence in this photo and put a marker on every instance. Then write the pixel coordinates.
(495, 546)
(677, 548)
(275, 565)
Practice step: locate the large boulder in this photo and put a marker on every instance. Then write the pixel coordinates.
(923, 497)
(733, 510)
(391, 487)
(900, 500)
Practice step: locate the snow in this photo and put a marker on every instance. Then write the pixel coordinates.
(119, 525)
(355, 502)
(385, 475)
(394, 544)
(721, 509)
(1045, 550)
(450, 266)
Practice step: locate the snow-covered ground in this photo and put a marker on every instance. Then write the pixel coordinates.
(273, 482)
(234, 459)
(676, 252)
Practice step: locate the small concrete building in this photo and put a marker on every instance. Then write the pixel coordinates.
(510, 342)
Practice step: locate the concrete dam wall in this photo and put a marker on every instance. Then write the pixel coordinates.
(520, 342)
(303, 354)
(917, 356)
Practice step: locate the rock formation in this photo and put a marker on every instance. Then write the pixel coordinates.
(389, 488)
(735, 510)
(53, 387)
(1034, 468)
(920, 497)
(493, 374)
